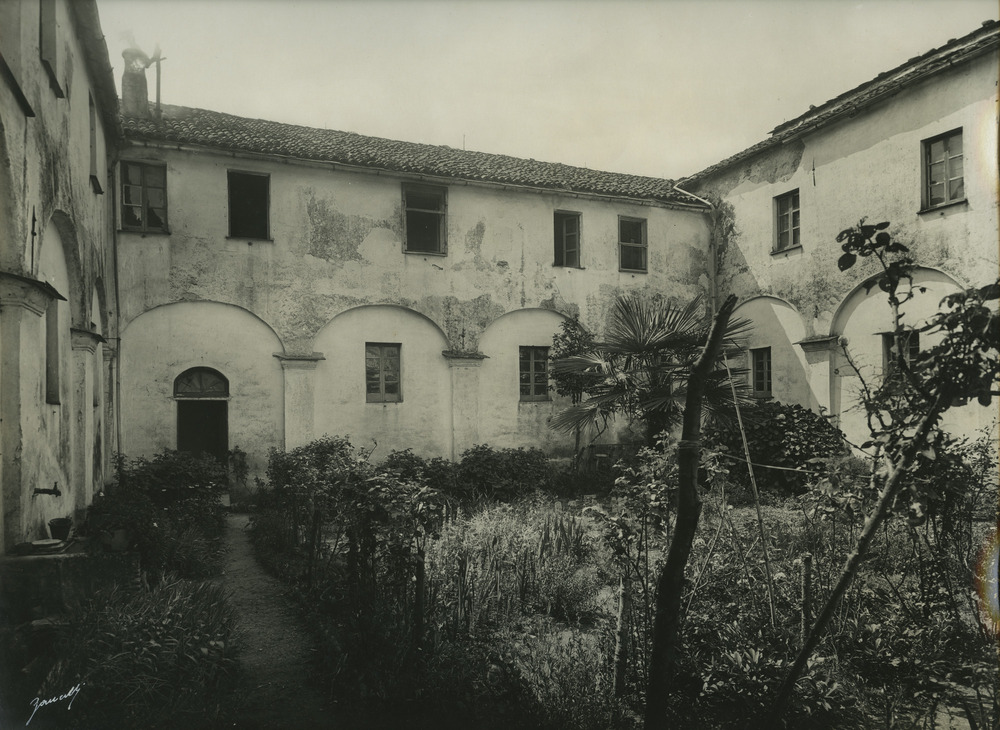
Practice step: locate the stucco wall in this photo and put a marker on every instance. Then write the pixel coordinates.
(867, 165)
(166, 341)
(49, 210)
(334, 273)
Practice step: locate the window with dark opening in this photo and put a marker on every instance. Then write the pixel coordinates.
(760, 365)
(786, 210)
(567, 239)
(203, 412)
(95, 178)
(52, 353)
(48, 44)
(425, 216)
(533, 369)
(944, 176)
(144, 197)
(382, 373)
(249, 203)
(632, 244)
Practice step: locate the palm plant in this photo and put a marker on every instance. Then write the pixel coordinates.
(641, 369)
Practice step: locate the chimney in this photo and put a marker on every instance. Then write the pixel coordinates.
(135, 96)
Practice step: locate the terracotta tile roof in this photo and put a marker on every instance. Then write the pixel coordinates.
(981, 40)
(201, 127)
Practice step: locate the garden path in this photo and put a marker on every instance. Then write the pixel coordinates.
(277, 652)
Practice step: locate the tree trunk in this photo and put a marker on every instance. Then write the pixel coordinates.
(671, 581)
(621, 636)
(854, 560)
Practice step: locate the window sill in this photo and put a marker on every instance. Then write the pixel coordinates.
(383, 402)
(564, 266)
(250, 239)
(535, 400)
(790, 249)
(426, 253)
(138, 232)
(762, 396)
(96, 185)
(15, 87)
(633, 271)
(952, 204)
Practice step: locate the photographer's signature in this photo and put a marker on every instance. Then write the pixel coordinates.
(39, 702)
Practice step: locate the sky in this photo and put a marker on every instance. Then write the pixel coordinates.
(650, 87)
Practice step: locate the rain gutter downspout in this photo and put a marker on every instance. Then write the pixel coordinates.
(713, 215)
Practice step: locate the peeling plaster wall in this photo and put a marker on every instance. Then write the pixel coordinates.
(47, 202)
(865, 165)
(336, 244)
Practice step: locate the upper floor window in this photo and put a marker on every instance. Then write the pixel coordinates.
(632, 244)
(144, 197)
(786, 221)
(944, 180)
(425, 209)
(249, 203)
(760, 371)
(382, 373)
(95, 176)
(48, 44)
(567, 239)
(533, 368)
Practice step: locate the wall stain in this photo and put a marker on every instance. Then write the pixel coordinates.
(333, 236)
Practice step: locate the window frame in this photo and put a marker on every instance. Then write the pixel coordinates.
(925, 172)
(559, 235)
(382, 396)
(536, 354)
(48, 45)
(95, 178)
(763, 374)
(230, 172)
(143, 226)
(643, 246)
(438, 190)
(794, 231)
(912, 342)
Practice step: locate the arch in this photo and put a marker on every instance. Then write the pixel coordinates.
(374, 308)
(521, 312)
(771, 346)
(171, 339)
(76, 289)
(277, 338)
(405, 343)
(201, 382)
(934, 279)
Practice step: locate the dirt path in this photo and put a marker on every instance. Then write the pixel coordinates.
(276, 651)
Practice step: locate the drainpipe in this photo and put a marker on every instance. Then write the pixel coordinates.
(713, 216)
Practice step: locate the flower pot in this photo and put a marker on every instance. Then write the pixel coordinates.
(59, 528)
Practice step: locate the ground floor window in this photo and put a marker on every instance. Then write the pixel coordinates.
(760, 365)
(202, 396)
(382, 373)
(534, 373)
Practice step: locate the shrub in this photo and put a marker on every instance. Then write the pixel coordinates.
(777, 435)
(154, 658)
(502, 474)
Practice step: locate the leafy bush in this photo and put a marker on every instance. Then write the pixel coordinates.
(777, 435)
(502, 474)
(155, 658)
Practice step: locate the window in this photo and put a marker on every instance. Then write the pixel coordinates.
(424, 219)
(534, 373)
(786, 212)
(382, 373)
(567, 238)
(144, 197)
(203, 412)
(632, 244)
(52, 348)
(760, 367)
(10, 53)
(48, 44)
(910, 341)
(249, 202)
(95, 179)
(943, 170)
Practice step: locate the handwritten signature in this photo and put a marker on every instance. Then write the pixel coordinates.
(39, 702)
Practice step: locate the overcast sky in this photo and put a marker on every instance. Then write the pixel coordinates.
(653, 87)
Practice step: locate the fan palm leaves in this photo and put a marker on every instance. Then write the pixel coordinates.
(642, 367)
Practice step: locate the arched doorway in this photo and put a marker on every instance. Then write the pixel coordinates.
(202, 396)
